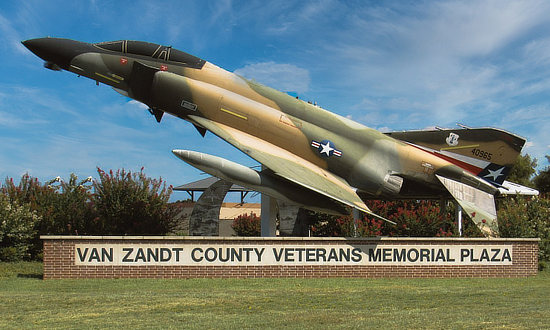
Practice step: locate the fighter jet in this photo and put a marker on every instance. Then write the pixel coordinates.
(310, 156)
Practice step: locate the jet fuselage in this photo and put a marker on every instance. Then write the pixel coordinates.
(367, 159)
(312, 157)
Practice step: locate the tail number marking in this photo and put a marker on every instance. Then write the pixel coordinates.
(482, 154)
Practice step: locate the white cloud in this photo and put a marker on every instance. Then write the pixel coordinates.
(138, 104)
(11, 38)
(440, 61)
(457, 28)
(284, 77)
(538, 51)
(398, 65)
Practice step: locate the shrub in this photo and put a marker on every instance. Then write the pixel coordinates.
(325, 225)
(412, 218)
(64, 207)
(131, 203)
(71, 211)
(118, 204)
(247, 225)
(17, 230)
(527, 217)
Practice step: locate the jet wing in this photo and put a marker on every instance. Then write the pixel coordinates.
(479, 205)
(288, 165)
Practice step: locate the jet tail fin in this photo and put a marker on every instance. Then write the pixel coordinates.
(488, 153)
(479, 205)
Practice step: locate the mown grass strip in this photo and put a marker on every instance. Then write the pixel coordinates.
(27, 301)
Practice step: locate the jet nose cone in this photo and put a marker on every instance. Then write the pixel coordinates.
(35, 45)
(56, 50)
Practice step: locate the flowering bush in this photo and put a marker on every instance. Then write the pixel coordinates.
(119, 203)
(413, 218)
(65, 207)
(131, 203)
(419, 219)
(247, 225)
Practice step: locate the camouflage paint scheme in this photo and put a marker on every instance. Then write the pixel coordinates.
(308, 151)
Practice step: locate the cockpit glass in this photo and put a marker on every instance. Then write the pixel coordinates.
(182, 57)
(143, 48)
(111, 45)
(157, 51)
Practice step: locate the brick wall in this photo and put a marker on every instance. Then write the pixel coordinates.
(60, 258)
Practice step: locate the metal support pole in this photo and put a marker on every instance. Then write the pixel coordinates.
(459, 218)
(356, 217)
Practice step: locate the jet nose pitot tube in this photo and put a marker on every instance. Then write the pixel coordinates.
(56, 52)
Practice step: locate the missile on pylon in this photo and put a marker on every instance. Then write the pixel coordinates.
(265, 181)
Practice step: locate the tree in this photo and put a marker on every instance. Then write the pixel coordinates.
(523, 170)
(17, 230)
(527, 217)
(542, 180)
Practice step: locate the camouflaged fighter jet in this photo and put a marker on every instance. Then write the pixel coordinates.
(311, 157)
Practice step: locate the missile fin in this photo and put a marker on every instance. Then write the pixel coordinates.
(201, 130)
(157, 113)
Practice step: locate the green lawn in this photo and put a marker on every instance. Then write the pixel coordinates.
(27, 301)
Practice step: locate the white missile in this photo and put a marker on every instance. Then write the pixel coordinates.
(265, 182)
(220, 167)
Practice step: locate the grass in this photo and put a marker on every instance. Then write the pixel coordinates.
(26, 301)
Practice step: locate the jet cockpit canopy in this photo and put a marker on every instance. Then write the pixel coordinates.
(142, 48)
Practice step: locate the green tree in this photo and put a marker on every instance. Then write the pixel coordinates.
(542, 180)
(73, 210)
(17, 230)
(523, 171)
(64, 207)
(526, 217)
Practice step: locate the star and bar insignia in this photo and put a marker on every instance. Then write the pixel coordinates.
(495, 173)
(326, 148)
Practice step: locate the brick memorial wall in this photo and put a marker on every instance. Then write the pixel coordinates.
(238, 257)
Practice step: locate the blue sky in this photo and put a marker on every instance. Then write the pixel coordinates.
(389, 65)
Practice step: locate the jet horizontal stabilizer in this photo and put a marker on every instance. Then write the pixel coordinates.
(479, 205)
(488, 153)
(511, 188)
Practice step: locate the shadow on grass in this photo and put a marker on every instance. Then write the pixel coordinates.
(35, 276)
